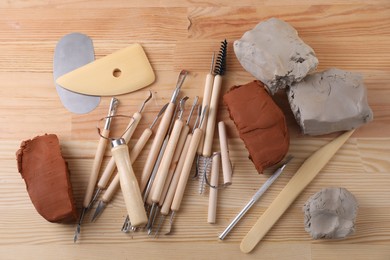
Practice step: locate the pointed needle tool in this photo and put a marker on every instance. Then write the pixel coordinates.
(110, 168)
(96, 164)
(255, 197)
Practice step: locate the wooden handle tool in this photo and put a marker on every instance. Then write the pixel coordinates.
(109, 170)
(175, 179)
(208, 87)
(114, 185)
(160, 134)
(212, 116)
(163, 169)
(99, 154)
(186, 169)
(129, 184)
(175, 161)
(226, 166)
(212, 209)
(305, 174)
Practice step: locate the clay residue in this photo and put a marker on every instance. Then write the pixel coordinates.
(274, 54)
(46, 175)
(260, 123)
(330, 213)
(330, 101)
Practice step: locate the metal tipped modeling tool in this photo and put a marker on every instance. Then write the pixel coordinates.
(160, 134)
(185, 173)
(163, 169)
(110, 168)
(255, 197)
(166, 205)
(135, 151)
(153, 174)
(96, 164)
(219, 70)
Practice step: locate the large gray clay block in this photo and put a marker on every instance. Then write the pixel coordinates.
(274, 54)
(330, 101)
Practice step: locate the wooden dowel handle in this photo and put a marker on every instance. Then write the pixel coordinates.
(129, 186)
(140, 144)
(163, 169)
(110, 168)
(132, 126)
(97, 162)
(305, 174)
(175, 179)
(114, 185)
(213, 109)
(175, 160)
(112, 189)
(186, 170)
(208, 87)
(156, 145)
(212, 209)
(226, 166)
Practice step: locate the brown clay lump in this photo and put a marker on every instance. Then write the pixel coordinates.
(330, 213)
(274, 54)
(330, 101)
(260, 123)
(46, 175)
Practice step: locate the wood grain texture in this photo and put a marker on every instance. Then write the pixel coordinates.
(351, 35)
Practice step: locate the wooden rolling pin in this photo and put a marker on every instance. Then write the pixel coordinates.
(305, 174)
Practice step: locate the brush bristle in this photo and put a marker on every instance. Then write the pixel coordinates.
(220, 64)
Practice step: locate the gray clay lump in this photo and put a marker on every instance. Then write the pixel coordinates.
(331, 213)
(274, 54)
(330, 101)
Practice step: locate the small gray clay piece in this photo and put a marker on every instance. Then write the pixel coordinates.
(330, 213)
(274, 54)
(330, 101)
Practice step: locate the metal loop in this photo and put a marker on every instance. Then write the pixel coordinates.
(109, 117)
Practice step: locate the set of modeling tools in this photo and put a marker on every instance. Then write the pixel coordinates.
(164, 177)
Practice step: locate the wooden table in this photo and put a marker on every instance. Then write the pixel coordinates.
(351, 35)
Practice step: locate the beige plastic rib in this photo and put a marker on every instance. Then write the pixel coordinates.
(156, 145)
(129, 186)
(305, 174)
(175, 179)
(97, 162)
(226, 166)
(121, 72)
(108, 171)
(166, 160)
(213, 194)
(212, 116)
(181, 186)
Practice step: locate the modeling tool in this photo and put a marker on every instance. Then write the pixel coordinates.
(219, 71)
(160, 134)
(305, 174)
(96, 164)
(121, 72)
(255, 198)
